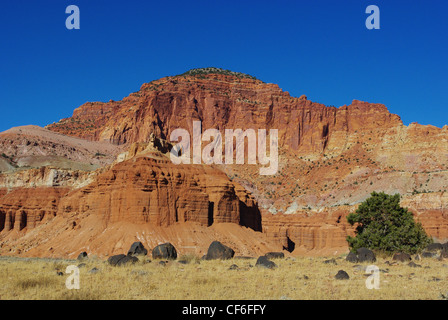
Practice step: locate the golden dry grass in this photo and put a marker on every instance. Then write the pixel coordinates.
(299, 278)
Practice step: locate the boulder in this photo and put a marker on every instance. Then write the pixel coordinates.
(427, 254)
(275, 255)
(365, 255)
(217, 250)
(121, 259)
(264, 262)
(434, 247)
(93, 270)
(244, 257)
(139, 272)
(330, 261)
(402, 257)
(82, 256)
(414, 265)
(164, 251)
(126, 260)
(342, 275)
(362, 255)
(443, 254)
(113, 260)
(352, 257)
(137, 248)
(445, 246)
(359, 267)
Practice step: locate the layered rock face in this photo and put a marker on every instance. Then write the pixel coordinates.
(431, 210)
(33, 146)
(153, 190)
(28, 207)
(330, 159)
(47, 176)
(222, 102)
(320, 233)
(327, 152)
(325, 232)
(142, 188)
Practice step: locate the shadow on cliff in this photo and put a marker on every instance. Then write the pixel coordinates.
(250, 217)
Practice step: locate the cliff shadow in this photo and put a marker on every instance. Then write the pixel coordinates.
(290, 245)
(2, 220)
(250, 217)
(211, 207)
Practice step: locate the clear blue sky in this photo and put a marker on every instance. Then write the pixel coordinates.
(320, 48)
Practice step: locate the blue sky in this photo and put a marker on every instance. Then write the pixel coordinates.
(320, 48)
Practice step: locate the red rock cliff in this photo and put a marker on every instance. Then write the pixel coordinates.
(221, 101)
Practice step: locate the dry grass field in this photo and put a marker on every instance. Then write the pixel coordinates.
(294, 278)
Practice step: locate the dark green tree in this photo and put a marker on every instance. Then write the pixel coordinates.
(385, 226)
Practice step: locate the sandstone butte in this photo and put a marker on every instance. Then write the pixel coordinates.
(102, 179)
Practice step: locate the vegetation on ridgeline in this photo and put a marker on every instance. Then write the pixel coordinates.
(213, 70)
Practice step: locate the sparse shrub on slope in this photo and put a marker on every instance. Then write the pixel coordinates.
(385, 226)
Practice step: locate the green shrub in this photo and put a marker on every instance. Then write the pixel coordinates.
(385, 226)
